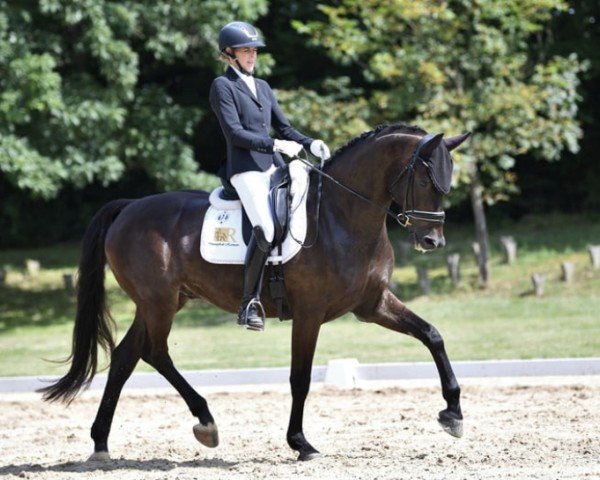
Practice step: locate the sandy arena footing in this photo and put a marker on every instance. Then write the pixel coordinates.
(515, 428)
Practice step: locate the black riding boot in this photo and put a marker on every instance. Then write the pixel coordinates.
(251, 313)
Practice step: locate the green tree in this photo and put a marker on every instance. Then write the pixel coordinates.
(474, 65)
(329, 108)
(82, 91)
(327, 113)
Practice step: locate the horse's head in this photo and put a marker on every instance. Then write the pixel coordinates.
(420, 187)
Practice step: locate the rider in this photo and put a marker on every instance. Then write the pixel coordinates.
(247, 110)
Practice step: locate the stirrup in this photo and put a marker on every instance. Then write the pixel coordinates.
(254, 323)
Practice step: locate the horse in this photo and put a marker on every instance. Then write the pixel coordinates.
(152, 247)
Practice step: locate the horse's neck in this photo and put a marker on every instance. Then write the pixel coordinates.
(364, 172)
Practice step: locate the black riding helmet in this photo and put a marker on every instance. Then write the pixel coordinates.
(238, 35)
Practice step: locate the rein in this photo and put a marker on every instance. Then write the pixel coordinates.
(403, 218)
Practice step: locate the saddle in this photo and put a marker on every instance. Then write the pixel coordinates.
(279, 200)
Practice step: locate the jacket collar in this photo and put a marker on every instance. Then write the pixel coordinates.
(241, 85)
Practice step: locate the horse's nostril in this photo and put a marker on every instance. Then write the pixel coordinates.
(433, 241)
(430, 242)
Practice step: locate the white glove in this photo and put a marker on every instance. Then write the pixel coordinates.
(287, 147)
(319, 149)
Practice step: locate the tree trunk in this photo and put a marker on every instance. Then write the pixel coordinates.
(453, 263)
(480, 225)
(424, 281)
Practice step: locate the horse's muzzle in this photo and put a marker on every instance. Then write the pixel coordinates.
(429, 240)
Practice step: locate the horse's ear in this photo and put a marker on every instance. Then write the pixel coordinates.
(430, 145)
(453, 142)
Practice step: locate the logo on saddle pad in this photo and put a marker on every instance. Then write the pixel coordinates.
(221, 240)
(225, 236)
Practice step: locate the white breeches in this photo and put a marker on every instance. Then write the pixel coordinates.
(253, 190)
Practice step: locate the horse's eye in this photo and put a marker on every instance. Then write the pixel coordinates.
(423, 183)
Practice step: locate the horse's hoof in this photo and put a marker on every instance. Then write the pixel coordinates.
(99, 457)
(305, 457)
(451, 425)
(207, 435)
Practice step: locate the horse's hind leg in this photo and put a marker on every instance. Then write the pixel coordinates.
(156, 353)
(124, 358)
(393, 314)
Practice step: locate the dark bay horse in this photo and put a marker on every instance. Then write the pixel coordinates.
(152, 247)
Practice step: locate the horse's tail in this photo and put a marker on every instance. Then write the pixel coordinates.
(93, 323)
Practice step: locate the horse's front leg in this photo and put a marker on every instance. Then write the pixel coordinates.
(393, 314)
(304, 342)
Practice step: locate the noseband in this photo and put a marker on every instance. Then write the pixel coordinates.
(404, 218)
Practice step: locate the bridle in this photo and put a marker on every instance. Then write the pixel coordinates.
(405, 217)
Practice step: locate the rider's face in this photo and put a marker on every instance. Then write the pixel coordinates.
(247, 57)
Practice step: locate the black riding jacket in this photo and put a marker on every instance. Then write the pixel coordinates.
(247, 121)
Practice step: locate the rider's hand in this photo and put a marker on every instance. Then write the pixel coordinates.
(287, 147)
(319, 149)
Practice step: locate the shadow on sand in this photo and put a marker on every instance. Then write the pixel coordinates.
(155, 464)
(150, 465)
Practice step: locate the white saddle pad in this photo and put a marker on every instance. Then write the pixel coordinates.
(222, 240)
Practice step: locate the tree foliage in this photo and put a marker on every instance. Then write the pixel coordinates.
(79, 97)
(462, 65)
(336, 113)
(106, 98)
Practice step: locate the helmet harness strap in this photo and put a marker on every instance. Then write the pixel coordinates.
(237, 62)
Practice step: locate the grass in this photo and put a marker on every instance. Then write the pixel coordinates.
(506, 320)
